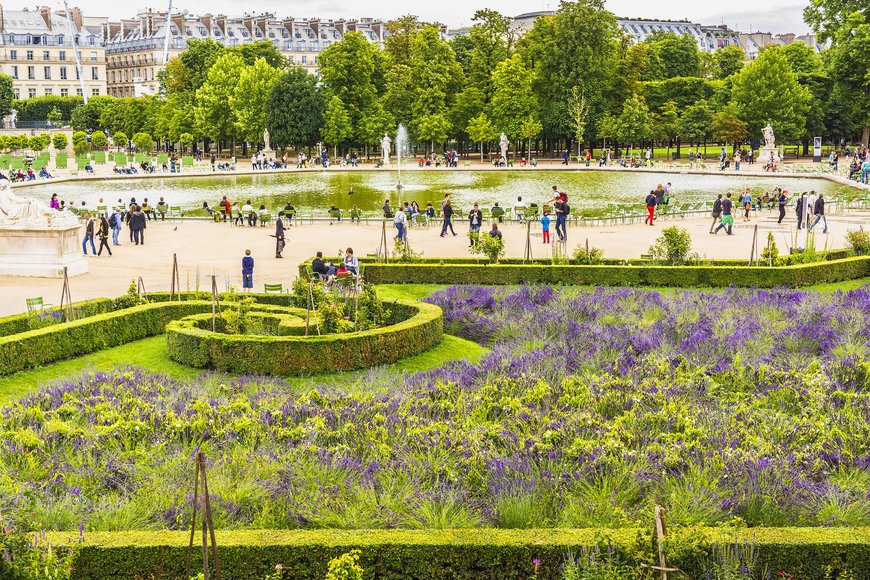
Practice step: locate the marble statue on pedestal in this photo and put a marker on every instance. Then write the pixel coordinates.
(30, 213)
(385, 148)
(503, 143)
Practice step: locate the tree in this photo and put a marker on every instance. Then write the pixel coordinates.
(59, 141)
(78, 137)
(634, 124)
(120, 139)
(578, 109)
(481, 130)
(250, 98)
(666, 125)
(434, 128)
(81, 145)
(215, 116)
(39, 142)
(99, 139)
(53, 116)
(294, 108)
(802, 58)
(6, 95)
(378, 121)
(695, 123)
(185, 140)
(630, 68)
(187, 72)
(336, 124)
(435, 79)
(729, 60)
(513, 99)
(674, 56)
(491, 38)
(727, 126)
(87, 117)
(346, 70)
(469, 104)
(767, 91)
(143, 142)
(262, 49)
(530, 129)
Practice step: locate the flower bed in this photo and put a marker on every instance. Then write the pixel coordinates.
(414, 328)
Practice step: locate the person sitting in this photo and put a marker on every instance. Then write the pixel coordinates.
(430, 211)
(497, 212)
(146, 209)
(44, 173)
(205, 207)
(351, 262)
(263, 215)
(388, 213)
(355, 214)
(289, 213)
(495, 232)
(320, 268)
(520, 209)
(334, 213)
(248, 212)
(31, 176)
(163, 207)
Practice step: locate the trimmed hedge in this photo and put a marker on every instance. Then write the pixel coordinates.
(190, 342)
(53, 343)
(604, 275)
(807, 553)
(52, 315)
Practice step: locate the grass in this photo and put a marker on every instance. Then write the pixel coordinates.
(150, 353)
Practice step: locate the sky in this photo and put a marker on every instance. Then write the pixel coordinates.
(764, 15)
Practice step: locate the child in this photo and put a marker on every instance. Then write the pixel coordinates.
(545, 226)
(247, 272)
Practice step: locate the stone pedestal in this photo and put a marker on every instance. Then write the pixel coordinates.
(41, 252)
(268, 153)
(764, 154)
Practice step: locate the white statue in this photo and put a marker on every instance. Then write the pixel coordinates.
(503, 143)
(19, 211)
(769, 141)
(266, 140)
(385, 147)
(10, 120)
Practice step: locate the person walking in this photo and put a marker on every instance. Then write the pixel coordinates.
(104, 236)
(819, 213)
(562, 209)
(650, 207)
(447, 214)
(727, 219)
(137, 225)
(746, 201)
(782, 201)
(717, 211)
(279, 235)
(475, 218)
(799, 209)
(89, 235)
(116, 221)
(588, 157)
(400, 220)
(565, 157)
(545, 227)
(247, 272)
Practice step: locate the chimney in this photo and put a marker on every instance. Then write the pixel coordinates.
(2, 21)
(340, 26)
(178, 21)
(222, 23)
(45, 12)
(378, 29)
(206, 21)
(77, 19)
(288, 24)
(249, 24)
(314, 24)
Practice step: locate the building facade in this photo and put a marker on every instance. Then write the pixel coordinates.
(37, 52)
(134, 48)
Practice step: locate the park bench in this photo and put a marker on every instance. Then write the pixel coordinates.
(36, 303)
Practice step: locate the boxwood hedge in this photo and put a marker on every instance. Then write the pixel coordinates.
(191, 342)
(805, 553)
(628, 275)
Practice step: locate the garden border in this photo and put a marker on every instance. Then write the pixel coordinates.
(721, 276)
(420, 328)
(464, 554)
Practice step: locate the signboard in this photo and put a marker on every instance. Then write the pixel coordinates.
(817, 149)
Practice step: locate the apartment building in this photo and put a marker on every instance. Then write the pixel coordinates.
(36, 50)
(134, 47)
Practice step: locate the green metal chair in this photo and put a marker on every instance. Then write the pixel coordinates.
(273, 288)
(36, 303)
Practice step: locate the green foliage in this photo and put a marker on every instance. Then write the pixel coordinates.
(767, 91)
(434, 128)
(54, 116)
(82, 148)
(337, 127)
(592, 256)
(486, 245)
(696, 122)
(672, 56)
(215, 116)
(513, 99)
(40, 142)
(39, 108)
(264, 50)
(481, 129)
(858, 241)
(32, 558)
(727, 126)
(59, 141)
(684, 91)
(673, 246)
(120, 139)
(78, 137)
(185, 140)
(345, 567)
(87, 117)
(372, 312)
(248, 100)
(294, 111)
(770, 253)
(6, 95)
(99, 139)
(347, 70)
(143, 142)
(633, 125)
(729, 60)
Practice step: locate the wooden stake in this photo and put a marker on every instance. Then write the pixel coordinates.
(527, 257)
(215, 303)
(140, 289)
(754, 245)
(176, 280)
(66, 297)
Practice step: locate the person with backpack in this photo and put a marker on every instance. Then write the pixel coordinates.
(727, 219)
(447, 214)
(799, 209)
(89, 235)
(650, 207)
(819, 213)
(782, 201)
(562, 210)
(115, 220)
(717, 211)
(104, 236)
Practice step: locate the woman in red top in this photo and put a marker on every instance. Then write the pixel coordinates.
(227, 207)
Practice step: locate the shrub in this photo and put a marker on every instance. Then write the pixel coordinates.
(770, 253)
(81, 148)
(78, 137)
(486, 245)
(345, 567)
(185, 140)
(143, 142)
(59, 141)
(99, 139)
(858, 241)
(120, 139)
(590, 256)
(673, 246)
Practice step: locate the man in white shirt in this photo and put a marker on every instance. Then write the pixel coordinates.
(399, 220)
(520, 209)
(248, 210)
(811, 205)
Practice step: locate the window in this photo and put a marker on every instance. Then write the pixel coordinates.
(92, 41)
(15, 72)
(79, 92)
(15, 94)
(292, 59)
(31, 73)
(304, 60)
(47, 72)
(29, 55)
(63, 73)
(45, 55)
(95, 92)
(31, 92)
(48, 92)
(64, 92)
(13, 55)
(61, 55)
(95, 76)
(93, 57)
(113, 76)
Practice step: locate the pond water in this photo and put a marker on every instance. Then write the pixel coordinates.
(318, 189)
